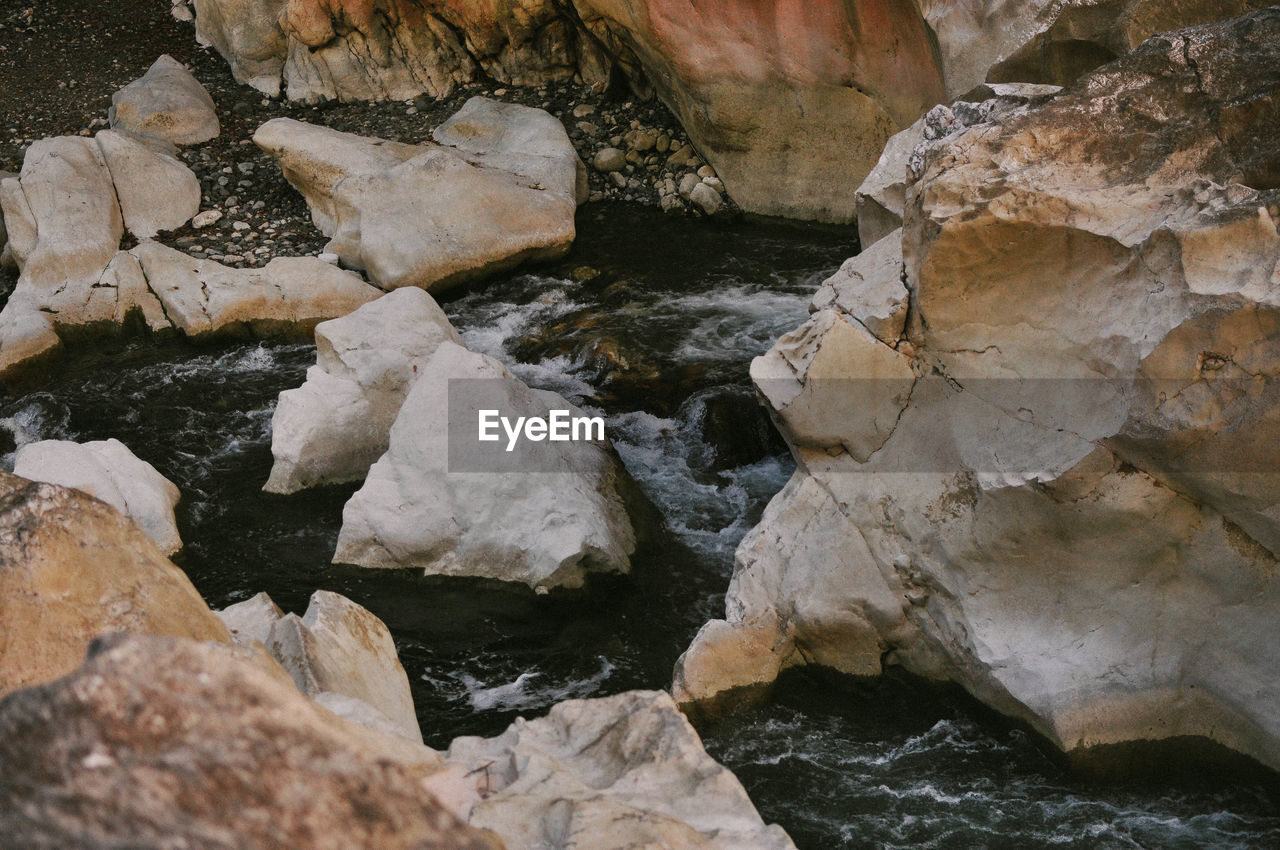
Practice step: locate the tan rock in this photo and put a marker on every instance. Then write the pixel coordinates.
(166, 102)
(156, 191)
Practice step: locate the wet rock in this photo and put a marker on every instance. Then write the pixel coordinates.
(548, 520)
(155, 190)
(338, 423)
(618, 772)
(74, 569)
(155, 740)
(167, 102)
(1074, 514)
(107, 470)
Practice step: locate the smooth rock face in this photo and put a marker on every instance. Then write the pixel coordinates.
(164, 742)
(543, 528)
(166, 102)
(1076, 514)
(338, 423)
(72, 569)
(107, 470)
(156, 191)
(433, 216)
(618, 772)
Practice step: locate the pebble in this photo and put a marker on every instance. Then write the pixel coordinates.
(687, 184)
(206, 218)
(240, 225)
(609, 160)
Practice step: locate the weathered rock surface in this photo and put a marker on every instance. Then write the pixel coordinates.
(434, 216)
(156, 741)
(1076, 514)
(155, 190)
(612, 773)
(551, 517)
(338, 653)
(338, 423)
(71, 569)
(166, 102)
(868, 288)
(107, 470)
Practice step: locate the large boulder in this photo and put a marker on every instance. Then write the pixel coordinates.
(333, 427)
(545, 514)
(430, 215)
(155, 189)
(158, 742)
(71, 569)
(107, 470)
(338, 653)
(619, 772)
(166, 102)
(1074, 511)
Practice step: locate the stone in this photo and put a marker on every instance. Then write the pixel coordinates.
(167, 102)
(155, 189)
(153, 741)
(617, 772)
(73, 569)
(337, 424)
(425, 215)
(609, 159)
(288, 296)
(208, 218)
(108, 471)
(707, 199)
(687, 184)
(250, 621)
(868, 288)
(546, 527)
(1075, 514)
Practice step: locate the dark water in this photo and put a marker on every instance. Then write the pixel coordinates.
(652, 321)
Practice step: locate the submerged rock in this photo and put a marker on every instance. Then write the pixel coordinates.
(612, 773)
(338, 423)
(430, 215)
(1075, 512)
(158, 740)
(107, 470)
(72, 569)
(166, 102)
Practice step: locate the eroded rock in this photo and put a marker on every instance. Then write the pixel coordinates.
(166, 102)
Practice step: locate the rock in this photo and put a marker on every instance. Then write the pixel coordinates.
(338, 653)
(561, 511)
(618, 772)
(153, 741)
(107, 470)
(155, 190)
(609, 159)
(208, 218)
(687, 184)
(425, 215)
(707, 199)
(288, 296)
(167, 102)
(247, 33)
(868, 288)
(72, 569)
(1076, 512)
(338, 423)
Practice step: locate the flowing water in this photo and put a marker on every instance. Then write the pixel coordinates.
(652, 321)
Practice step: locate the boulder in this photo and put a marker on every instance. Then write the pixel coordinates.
(107, 470)
(433, 216)
(619, 772)
(71, 569)
(1076, 512)
(868, 289)
(155, 189)
(247, 33)
(338, 653)
(333, 427)
(161, 742)
(166, 102)
(547, 515)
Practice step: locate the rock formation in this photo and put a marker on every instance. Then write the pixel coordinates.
(1060, 487)
(72, 569)
(612, 773)
(166, 102)
(107, 470)
(435, 215)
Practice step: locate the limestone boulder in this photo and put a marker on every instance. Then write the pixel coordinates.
(338, 423)
(868, 288)
(1074, 514)
(546, 513)
(617, 772)
(166, 102)
(107, 470)
(161, 740)
(155, 189)
(72, 568)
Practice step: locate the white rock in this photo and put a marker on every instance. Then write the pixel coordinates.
(618, 772)
(869, 288)
(206, 219)
(107, 470)
(167, 102)
(156, 191)
(337, 424)
(707, 198)
(543, 528)
(251, 621)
